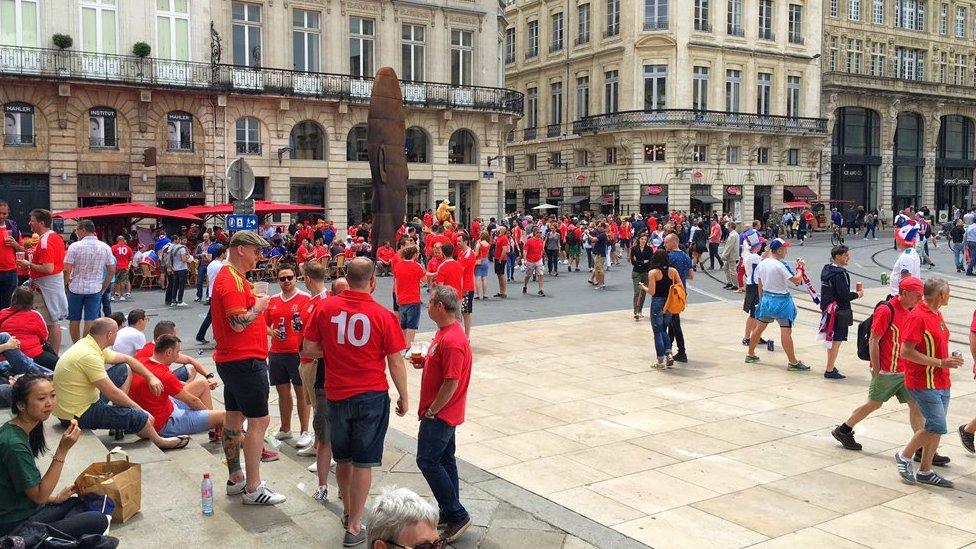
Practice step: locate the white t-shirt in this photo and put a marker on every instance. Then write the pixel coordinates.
(749, 262)
(908, 260)
(128, 341)
(774, 275)
(212, 269)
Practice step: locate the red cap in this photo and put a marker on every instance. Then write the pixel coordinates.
(911, 284)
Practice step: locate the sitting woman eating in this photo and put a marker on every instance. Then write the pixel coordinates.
(28, 496)
(21, 321)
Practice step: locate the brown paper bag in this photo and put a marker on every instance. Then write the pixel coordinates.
(119, 480)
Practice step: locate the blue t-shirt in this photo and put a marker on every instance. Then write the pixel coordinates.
(212, 249)
(328, 235)
(161, 242)
(681, 263)
(600, 246)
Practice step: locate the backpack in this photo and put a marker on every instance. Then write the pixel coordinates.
(677, 299)
(864, 331)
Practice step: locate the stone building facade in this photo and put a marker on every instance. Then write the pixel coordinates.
(282, 84)
(636, 106)
(899, 90)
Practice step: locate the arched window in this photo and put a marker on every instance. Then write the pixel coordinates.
(179, 131)
(857, 131)
(416, 145)
(307, 141)
(956, 137)
(356, 144)
(18, 124)
(462, 148)
(102, 128)
(248, 135)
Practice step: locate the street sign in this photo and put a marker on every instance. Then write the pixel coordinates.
(244, 207)
(242, 222)
(488, 175)
(240, 179)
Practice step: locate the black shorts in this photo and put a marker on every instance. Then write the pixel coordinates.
(500, 267)
(246, 386)
(751, 300)
(283, 369)
(467, 303)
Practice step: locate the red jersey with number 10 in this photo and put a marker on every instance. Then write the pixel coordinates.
(356, 334)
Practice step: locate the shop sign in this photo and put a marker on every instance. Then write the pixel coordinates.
(955, 181)
(555, 193)
(732, 190)
(607, 199)
(653, 190)
(852, 173)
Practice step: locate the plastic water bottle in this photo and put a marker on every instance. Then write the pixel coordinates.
(206, 495)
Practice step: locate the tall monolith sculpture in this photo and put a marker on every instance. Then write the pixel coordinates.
(385, 141)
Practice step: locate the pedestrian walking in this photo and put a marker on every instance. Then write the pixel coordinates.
(640, 258)
(835, 304)
(660, 277)
(776, 303)
(729, 255)
(957, 242)
(714, 239)
(219, 256)
(908, 261)
(532, 260)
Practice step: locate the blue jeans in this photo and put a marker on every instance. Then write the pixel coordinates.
(510, 265)
(660, 322)
(869, 228)
(201, 280)
(957, 253)
(971, 246)
(17, 362)
(107, 302)
(435, 459)
(8, 283)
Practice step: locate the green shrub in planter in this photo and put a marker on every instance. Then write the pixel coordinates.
(141, 49)
(62, 41)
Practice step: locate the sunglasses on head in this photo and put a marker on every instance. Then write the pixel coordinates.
(286, 278)
(441, 543)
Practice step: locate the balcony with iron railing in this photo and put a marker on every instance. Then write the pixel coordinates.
(669, 118)
(530, 133)
(655, 24)
(103, 142)
(179, 145)
(18, 139)
(163, 73)
(248, 147)
(554, 130)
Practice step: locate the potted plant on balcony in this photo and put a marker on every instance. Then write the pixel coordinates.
(142, 51)
(63, 42)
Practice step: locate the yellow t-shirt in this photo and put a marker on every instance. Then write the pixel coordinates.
(75, 375)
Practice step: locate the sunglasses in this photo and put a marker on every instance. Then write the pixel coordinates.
(286, 278)
(441, 543)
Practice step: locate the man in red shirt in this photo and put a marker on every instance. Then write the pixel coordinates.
(9, 246)
(532, 259)
(925, 347)
(45, 267)
(407, 277)
(502, 246)
(443, 396)
(468, 259)
(123, 258)
(241, 351)
(360, 339)
(283, 318)
(384, 258)
(181, 409)
(435, 237)
(450, 273)
(887, 364)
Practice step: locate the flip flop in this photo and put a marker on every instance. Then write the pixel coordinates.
(184, 441)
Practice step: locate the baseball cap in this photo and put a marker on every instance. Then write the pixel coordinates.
(778, 243)
(911, 284)
(247, 238)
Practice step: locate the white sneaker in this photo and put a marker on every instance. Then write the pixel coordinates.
(321, 494)
(304, 439)
(263, 496)
(313, 468)
(129, 296)
(283, 435)
(307, 451)
(236, 488)
(182, 304)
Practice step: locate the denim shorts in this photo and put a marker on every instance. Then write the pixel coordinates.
(359, 427)
(934, 405)
(185, 420)
(409, 316)
(102, 416)
(84, 306)
(118, 374)
(182, 373)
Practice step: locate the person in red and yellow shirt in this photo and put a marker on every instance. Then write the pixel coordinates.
(283, 317)
(925, 348)
(241, 352)
(360, 340)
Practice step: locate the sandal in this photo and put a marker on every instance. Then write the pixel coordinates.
(184, 441)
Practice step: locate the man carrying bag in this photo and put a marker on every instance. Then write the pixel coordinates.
(835, 302)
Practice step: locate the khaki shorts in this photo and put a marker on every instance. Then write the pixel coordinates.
(41, 307)
(122, 277)
(599, 263)
(883, 387)
(306, 371)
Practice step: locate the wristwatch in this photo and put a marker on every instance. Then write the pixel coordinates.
(209, 376)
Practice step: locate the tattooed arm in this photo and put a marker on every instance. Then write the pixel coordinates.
(240, 322)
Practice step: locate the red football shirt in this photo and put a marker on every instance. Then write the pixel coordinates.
(8, 257)
(533, 249)
(406, 281)
(433, 264)
(468, 260)
(281, 309)
(451, 273)
(890, 343)
(500, 243)
(356, 334)
(233, 295)
(926, 330)
(123, 256)
(301, 255)
(449, 357)
(160, 406)
(147, 351)
(50, 249)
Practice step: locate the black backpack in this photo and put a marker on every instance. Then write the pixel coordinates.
(864, 331)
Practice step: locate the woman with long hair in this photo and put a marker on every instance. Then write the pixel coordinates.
(481, 249)
(699, 244)
(21, 321)
(27, 495)
(640, 257)
(660, 278)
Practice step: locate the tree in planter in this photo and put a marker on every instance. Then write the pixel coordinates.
(141, 50)
(63, 42)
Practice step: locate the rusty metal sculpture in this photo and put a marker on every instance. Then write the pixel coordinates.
(385, 139)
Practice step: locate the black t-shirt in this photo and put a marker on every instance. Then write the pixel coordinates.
(600, 246)
(957, 234)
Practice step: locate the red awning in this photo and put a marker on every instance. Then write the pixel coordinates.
(801, 193)
(796, 204)
(261, 207)
(126, 209)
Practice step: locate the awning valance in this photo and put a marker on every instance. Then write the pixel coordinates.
(575, 199)
(706, 199)
(800, 193)
(654, 199)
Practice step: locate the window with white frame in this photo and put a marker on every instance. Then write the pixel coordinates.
(555, 103)
(582, 23)
(733, 89)
(305, 33)
(944, 18)
(960, 22)
(854, 49)
(248, 135)
(613, 18)
(173, 30)
(581, 157)
(762, 155)
(19, 23)
(910, 63)
(99, 27)
(532, 107)
(766, 19)
(611, 155)
(702, 15)
(877, 12)
(764, 93)
(655, 153)
(792, 157)
(247, 34)
(734, 18)
(462, 57)
(655, 14)
(699, 154)
(854, 10)
(959, 69)
(531, 162)
(582, 96)
(877, 67)
(510, 45)
(655, 87)
(943, 67)
(834, 8)
(532, 39)
(699, 100)
(793, 96)
(611, 91)
(732, 154)
(832, 53)
(556, 31)
(910, 14)
(413, 50)
(362, 33)
(795, 24)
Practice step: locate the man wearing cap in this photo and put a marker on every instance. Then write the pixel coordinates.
(751, 257)
(776, 303)
(908, 260)
(887, 364)
(241, 352)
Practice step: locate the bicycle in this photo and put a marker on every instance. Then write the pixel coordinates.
(836, 237)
